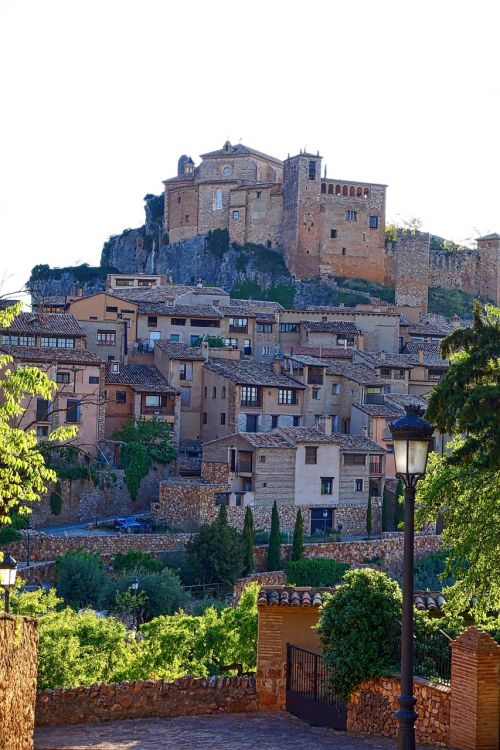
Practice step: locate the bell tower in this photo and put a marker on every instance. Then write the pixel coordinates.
(301, 209)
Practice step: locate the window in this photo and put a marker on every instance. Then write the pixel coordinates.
(236, 215)
(152, 321)
(344, 250)
(238, 324)
(252, 423)
(42, 430)
(385, 372)
(178, 321)
(205, 392)
(72, 410)
(311, 454)
(316, 394)
(194, 340)
(106, 338)
(249, 395)
(121, 397)
(175, 337)
(258, 194)
(223, 392)
(185, 396)
(312, 170)
(333, 234)
(19, 340)
(266, 350)
(262, 459)
(178, 199)
(52, 342)
(155, 401)
(110, 358)
(264, 328)
(373, 222)
(187, 218)
(351, 215)
(62, 377)
(335, 389)
(354, 459)
(287, 396)
(226, 171)
(323, 187)
(205, 419)
(223, 417)
(217, 200)
(112, 309)
(93, 380)
(399, 374)
(185, 371)
(343, 340)
(231, 342)
(289, 327)
(358, 485)
(214, 391)
(326, 485)
(335, 422)
(42, 410)
(296, 421)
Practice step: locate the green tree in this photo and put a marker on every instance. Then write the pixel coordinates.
(34, 603)
(222, 516)
(298, 538)
(385, 511)
(274, 548)
(369, 517)
(80, 578)
(135, 560)
(248, 541)
(162, 592)
(315, 571)
(214, 555)
(399, 507)
(145, 441)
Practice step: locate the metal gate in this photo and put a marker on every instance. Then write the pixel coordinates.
(308, 692)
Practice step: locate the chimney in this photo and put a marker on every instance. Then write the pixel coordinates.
(421, 356)
(204, 349)
(324, 424)
(383, 355)
(277, 366)
(361, 342)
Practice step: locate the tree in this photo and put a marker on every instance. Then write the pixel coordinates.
(145, 441)
(162, 593)
(274, 548)
(369, 517)
(385, 511)
(298, 538)
(248, 541)
(222, 517)
(399, 507)
(80, 578)
(24, 475)
(214, 555)
(135, 560)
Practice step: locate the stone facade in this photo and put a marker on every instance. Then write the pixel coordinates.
(187, 504)
(18, 669)
(371, 709)
(408, 268)
(186, 696)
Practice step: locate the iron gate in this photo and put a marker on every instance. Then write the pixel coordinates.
(308, 691)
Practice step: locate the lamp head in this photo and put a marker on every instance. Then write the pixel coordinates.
(411, 435)
(8, 571)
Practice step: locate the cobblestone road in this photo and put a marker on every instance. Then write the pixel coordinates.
(269, 731)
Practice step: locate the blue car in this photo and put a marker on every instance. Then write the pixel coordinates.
(129, 525)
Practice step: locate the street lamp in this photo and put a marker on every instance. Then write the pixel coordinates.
(8, 571)
(411, 436)
(134, 583)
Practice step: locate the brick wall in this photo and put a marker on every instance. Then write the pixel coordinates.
(18, 659)
(186, 696)
(371, 709)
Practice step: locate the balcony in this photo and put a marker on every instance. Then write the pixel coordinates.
(158, 411)
(374, 398)
(250, 402)
(244, 466)
(375, 467)
(238, 329)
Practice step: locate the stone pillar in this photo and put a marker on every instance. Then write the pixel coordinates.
(475, 692)
(271, 659)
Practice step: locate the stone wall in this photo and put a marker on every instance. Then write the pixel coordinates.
(267, 578)
(371, 709)
(18, 669)
(187, 505)
(186, 696)
(410, 261)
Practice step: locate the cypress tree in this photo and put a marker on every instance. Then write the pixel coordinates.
(369, 517)
(274, 548)
(298, 538)
(399, 506)
(385, 511)
(248, 540)
(222, 518)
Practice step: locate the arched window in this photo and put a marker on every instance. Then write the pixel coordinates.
(345, 190)
(337, 190)
(217, 201)
(366, 193)
(352, 191)
(323, 187)
(330, 189)
(359, 192)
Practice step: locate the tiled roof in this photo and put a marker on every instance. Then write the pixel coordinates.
(357, 443)
(426, 329)
(379, 410)
(306, 359)
(332, 326)
(50, 299)
(240, 150)
(264, 317)
(36, 354)
(248, 371)
(237, 312)
(323, 352)
(180, 351)
(207, 290)
(429, 359)
(400, 400)
(429, 347)
(4, 303)
(429, 600)
(266, 439)
(198, 311)
(493, 236)
(291, 596)
(382, 359)
(142, 378)
(49, 324)
(307, 435)
(357, 373)
(257, 304)
(150, 293)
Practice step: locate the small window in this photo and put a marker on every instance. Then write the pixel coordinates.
(223, 392)
(42, 410)
(152, 321)
(326, 485)
(155, 401)
(323, 187)
(373, 222)
(351, 215)
(359, 485)
(72, 411)
(354, 459)
(112, 309)
(262, 459)
(175, 337)
(316, 394)
(178, 199)
(274, 421)
(330, 189)
(223, 417)
(62, 377)
(121, 397)
(333, 234)
(205, 420)
(343, 251)
(185, 396)
(205, 392)
(266, 350)
(258, 194)
(93, 379)
(178, 321)
(214, 391)
(312, 170)
(311, 454)
(42, 430)
(217, 200)
(236, 215)
(111, 357)
(335, 389)
(296, 421)
(187, 218)
(226, 171)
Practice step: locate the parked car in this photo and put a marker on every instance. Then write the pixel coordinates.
(129, 525)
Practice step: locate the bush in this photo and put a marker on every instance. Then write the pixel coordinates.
(135, 560)
(428, 572)
(214, 555)
(317, 572)
(218, 242)
(298, 538)
(80, 578)
(34, 603)
(163, 593)
(10, 532)
(359, 629)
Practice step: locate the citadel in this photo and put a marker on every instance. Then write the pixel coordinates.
(323, 226)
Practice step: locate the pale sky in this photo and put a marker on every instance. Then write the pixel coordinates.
(99, 98)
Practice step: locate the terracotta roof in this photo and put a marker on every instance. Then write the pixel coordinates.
(141, 378)
(357, 443)
(180, 351)
(331, 326)
(237, 312)
(323, 352)
(357, 373)
(173, 311)
(257, 304)
(239, 149)
(265, 439)
(379, 410)
(48, 354)
(383, 359)
(430, 347)
(306, 359)
(248, 371)
(291, 597)
(426, 329)
(47, 324)
(307, 435)
(429, 600)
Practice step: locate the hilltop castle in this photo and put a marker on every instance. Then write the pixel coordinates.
(322, 226)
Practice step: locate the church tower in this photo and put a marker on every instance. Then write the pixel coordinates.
(301, 214)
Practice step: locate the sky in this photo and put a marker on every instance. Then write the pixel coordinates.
(99, 99)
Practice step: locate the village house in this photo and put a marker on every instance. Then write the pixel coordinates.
(109, 323)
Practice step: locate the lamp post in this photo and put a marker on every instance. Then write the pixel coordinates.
(411, 436)
(8, 572)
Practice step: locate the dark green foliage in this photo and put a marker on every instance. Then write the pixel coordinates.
(370, 287)
(145, 441)
(162, 593)
(385, 511)
(248, 541)
(359, 629)
(56, 500)
(126, 562)
(450, 301)
(82, 273)
(369, 517)
(214, 555)
(80, 578)
(317, 572)
(155, 206)
(263, 258)
(282, 293)
(399, 507)
(241, 262)
(218, 242)
(222, 517)
(274, 549)
(429, 572)
(298, 538)
(10, 532)
(214, 342)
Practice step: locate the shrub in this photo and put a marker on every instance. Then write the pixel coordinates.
(10, 532)
(34, 603)
(163, 593)
(80, 578)
(359, 629)
(317, 572)
(214, 555)
(298, 538)
(274, 548)
(135, 560)
(428, 572)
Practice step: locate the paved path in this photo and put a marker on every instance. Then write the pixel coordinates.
(268, 731)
